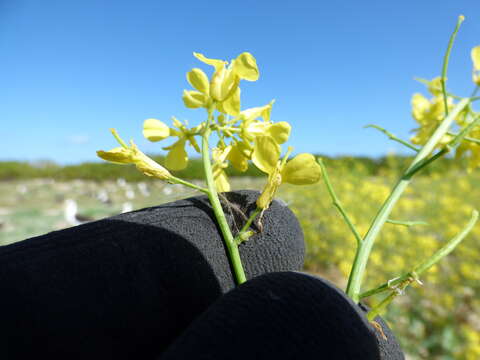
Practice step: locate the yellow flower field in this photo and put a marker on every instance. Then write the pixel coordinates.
(439, 320)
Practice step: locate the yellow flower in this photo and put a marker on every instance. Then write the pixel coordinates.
(177, 158)
(301, 170)
(279, 131)
(132, 155)
(476, 64)
(223, 86)
(239, 155)
(428, 114)
(219, 156)
(256, 112)
(251, 127)
(470, 149)
(434, 86)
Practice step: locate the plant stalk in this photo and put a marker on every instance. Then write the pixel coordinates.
(365, 247)
(427, 264)
(232, 247)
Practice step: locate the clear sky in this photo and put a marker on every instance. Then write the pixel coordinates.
(70, 70)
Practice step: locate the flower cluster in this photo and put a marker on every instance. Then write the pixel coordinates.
(429, 113)
(243, 135)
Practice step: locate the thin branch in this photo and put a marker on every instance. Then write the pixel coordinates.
(406, 223)
(336, 202)
(427, 264)
(393, 137)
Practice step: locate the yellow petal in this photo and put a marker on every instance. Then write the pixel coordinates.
(435, 86)
(219, 155)
(302, 170)
(476, 57)
(420, 105)
(266, 153)
(155, 130)
(221, 181)
(279, 131)
(224, 83)
(217, 64)
(194, 99)
(256, 112)
(254, 128)
(238, 159)
(193, 143)
(245, 66)
(199, 80)
(231, 105)
(177, 158)
(119, 155)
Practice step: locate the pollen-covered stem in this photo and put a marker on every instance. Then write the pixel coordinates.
(428, 263)
(364, 249)
(399, 284)
(248, 223)
(231, 245)
(377, 310)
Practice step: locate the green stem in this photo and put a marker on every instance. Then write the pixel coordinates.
(466, 138)
(462, 135)
(425, 162)
(398, 283)
(445, 62)
(176, 180)
(336, 202)
(232, 247)
(380, 308)
(363, 251)
(238, 238)
(406, 223)
(393, 137)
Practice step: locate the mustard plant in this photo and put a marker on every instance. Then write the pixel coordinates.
(244, 136)
(446, 124)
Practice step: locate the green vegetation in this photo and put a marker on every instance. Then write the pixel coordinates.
(100, 171)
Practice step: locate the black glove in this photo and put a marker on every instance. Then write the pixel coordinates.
(126, 287)
(284, 316)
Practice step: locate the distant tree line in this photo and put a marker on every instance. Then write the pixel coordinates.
(98, 171)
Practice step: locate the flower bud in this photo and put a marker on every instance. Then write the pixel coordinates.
(119, 155)
(199, 80)
(194, 99)
(302, 170)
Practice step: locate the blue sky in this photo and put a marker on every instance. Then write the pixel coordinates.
(70, 70)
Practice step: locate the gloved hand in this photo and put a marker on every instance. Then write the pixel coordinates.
(127, 286)
(285, 316)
